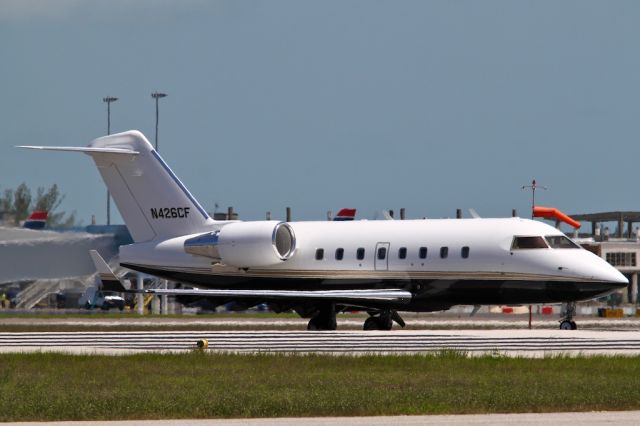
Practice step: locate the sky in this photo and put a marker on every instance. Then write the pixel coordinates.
(318, 105)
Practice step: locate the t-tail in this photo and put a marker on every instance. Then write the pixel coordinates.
(151, 199)
(36, 220)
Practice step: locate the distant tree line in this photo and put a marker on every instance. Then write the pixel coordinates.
(17, 204)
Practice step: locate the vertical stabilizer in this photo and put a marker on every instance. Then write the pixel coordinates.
(151, 199)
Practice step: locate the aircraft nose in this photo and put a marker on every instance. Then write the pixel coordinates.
(595, 268)
(609, 274)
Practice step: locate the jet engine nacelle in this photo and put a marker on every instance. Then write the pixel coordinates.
(246, 244)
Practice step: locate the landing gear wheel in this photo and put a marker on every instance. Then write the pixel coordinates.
(574, 326)
(312, 326)
(371, 323)
(566, 325)
(317, 324)
(325, 319)
(383, 321)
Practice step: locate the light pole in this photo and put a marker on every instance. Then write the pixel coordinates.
(164, 300)
(157, 96)
(108, 101)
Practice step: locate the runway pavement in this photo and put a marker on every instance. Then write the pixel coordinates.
(527, 343)
(439, 321)
(521, 419)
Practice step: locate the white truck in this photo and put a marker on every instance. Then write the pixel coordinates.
(93, 297)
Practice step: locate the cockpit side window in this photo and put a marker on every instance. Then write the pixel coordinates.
(560, 242)
(528, 243)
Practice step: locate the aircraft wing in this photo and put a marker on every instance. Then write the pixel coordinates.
(355, 296)
(111, 282)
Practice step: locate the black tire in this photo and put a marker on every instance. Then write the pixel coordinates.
(312, 326)
(574, 326)
(371, 323)
(566, 325)
(385, 322)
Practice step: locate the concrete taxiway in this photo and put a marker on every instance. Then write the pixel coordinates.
(524, 343)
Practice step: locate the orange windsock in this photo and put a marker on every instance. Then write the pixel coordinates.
(552, 213)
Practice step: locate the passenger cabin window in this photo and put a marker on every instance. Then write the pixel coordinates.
(319, 254)
(464, 252)
(382, 253)
(444, 252)
(402, 253)
(528, 243)
(423, 252)
(560, 242)
(339, 253)
(360, 253)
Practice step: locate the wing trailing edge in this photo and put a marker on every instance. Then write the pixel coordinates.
(355, 296)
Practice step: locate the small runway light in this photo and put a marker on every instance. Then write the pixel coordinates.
(203, 344)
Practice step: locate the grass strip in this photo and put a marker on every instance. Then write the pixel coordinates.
(51, 386)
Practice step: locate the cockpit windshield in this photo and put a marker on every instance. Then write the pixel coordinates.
(560, 242)
(528, 243)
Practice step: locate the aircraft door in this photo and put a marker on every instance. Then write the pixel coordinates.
(381, 260)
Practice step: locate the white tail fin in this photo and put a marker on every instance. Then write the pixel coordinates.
(151, 199)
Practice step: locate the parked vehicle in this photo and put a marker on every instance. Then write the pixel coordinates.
(95, 298)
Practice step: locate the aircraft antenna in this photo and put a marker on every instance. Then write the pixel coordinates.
(533, 187)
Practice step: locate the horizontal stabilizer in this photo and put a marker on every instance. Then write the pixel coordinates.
(109, 280)
(86, 150)
(352, 296)
(153, 202)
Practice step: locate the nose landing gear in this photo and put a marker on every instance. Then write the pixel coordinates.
(567, 322)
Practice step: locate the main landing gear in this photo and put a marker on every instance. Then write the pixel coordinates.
(567, 322)
(324, 319)
(383, 321)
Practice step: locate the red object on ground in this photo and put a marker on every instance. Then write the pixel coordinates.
(551, 213)
(547, 310)
(507, 310)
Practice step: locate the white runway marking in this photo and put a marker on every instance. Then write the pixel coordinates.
(440, 321)
(528, 343)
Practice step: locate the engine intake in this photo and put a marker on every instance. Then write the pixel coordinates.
(246, 244)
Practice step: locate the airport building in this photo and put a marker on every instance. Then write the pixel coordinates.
(38, 264)
(614, 238)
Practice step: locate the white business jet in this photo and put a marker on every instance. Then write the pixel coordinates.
(321, 268)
